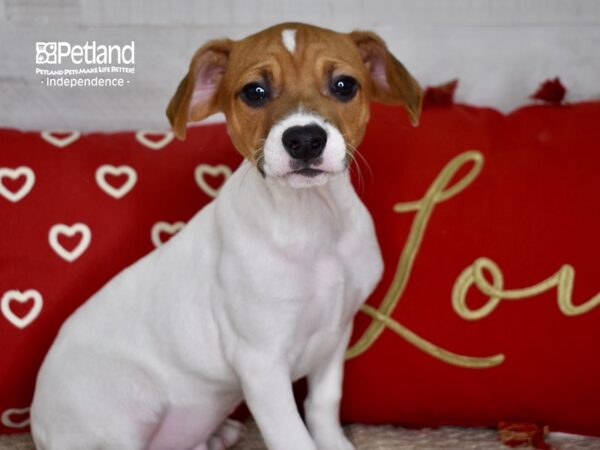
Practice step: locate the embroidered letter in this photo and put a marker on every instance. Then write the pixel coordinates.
(474, 275)
(437, 192)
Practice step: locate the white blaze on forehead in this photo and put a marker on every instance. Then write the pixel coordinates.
(288, 36)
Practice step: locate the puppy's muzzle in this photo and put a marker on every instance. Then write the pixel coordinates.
(304, 143)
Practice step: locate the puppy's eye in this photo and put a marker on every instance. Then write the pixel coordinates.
(344, 87)
(254, 94)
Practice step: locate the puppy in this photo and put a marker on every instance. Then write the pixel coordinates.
(261, 286)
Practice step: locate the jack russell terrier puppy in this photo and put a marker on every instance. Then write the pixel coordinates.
(261, 287)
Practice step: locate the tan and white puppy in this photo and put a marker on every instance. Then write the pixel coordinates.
(261, 286)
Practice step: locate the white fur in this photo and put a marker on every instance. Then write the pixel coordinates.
(278, 161)
(288, 36)
(259, 289)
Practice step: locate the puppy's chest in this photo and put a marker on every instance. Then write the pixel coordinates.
(328, 302)
(324, 280)
(323, 312)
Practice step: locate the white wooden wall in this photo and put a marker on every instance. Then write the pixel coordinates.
(500, 49)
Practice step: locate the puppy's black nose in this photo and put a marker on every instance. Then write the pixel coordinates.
(304, 142)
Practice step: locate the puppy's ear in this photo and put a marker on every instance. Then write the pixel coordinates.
(197, 94)
(390, 81)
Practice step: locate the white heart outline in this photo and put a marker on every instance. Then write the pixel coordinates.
(14, 174)
(168, 136)
(166, 227)
(8, 422)
(203, 169)
(63, 141)
(120, 192)
(61, 228)
(21, 297)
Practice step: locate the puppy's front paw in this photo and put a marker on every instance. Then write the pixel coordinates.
(226, 435)
(333, 441)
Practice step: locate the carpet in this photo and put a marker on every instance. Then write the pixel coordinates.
(388, 438)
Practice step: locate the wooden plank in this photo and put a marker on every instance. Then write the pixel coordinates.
(332, 13)
(42, 11)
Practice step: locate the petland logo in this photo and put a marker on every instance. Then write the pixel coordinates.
(62, 64)
(88, 53)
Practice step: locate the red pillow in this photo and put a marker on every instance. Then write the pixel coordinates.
(518, 190)
(483, 220)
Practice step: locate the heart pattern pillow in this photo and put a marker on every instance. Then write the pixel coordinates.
(78, 208)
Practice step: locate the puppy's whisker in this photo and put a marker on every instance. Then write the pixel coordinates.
(353, 151)
(359, 174)
(365, 162)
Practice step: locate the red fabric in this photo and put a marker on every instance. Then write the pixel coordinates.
(533, 208)
(441, 95)
(550, 91)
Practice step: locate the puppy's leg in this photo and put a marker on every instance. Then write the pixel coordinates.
(268, 392)
(322, 407)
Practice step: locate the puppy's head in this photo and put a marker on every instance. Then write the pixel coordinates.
(296, 97)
